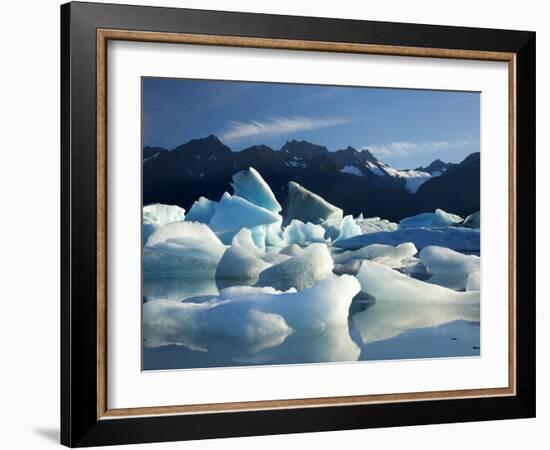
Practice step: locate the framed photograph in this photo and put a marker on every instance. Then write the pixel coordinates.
(276, 224)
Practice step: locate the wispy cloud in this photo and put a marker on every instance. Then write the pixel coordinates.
(276, 126)
(405, 148)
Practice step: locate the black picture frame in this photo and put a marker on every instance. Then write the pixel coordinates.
(80, 425)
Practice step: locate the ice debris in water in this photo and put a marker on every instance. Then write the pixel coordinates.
(463, 239)
(250, 185)
(307, 206)
(201, 211)
(449, 268)
(156, 215)
(348, 229)
(314, 309)
(439, 218)
(183, 249)
(234, 213)
(302, 271)
(386, 284)
(302, 233)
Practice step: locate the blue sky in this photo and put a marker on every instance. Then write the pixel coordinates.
(405, 128)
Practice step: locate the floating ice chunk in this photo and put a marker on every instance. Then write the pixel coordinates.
(160, 214)
(234, 213)
(242, 261)
(439, 218)
(306, 206)
(301, 271)
(473, 282)
(323, 305)
(374, 224)
(201, 211)
(199, 325)
(184, 249)
(455, 238)
(394, 257)
(420, 220)
(348, 229)
(250, 185)
(303, 233)
(385, 320)
(449, 268)
(472, 221)
(156, 215)
(386, 284)
(445, 219)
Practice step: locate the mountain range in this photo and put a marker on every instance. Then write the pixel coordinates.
(354, 180)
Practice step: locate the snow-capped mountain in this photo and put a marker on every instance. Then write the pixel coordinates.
(353, 178)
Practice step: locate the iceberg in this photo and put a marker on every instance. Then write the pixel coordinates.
(386, 284)
(374, 224)
(439, 218)
(455, 238)
(235, 213)
(201, 211)
(198, 326)
(394, 257)
(307, 206)
(302, 233)
(472, 221)
(160, 214)
(301, 271)
(242, 261)
(183, 249)
(445, 219)
(449, 268)
(250, 185)
(156, 215)
(258, 317)
(348, 229)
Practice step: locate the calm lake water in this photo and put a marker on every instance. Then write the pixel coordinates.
(375, 331)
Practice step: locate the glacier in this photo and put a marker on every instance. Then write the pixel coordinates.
(472, 221)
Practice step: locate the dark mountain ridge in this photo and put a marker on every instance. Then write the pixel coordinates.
(351, 179)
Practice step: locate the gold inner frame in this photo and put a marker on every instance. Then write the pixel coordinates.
(104, 35)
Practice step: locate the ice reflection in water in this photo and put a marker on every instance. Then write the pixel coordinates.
(376, 331)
